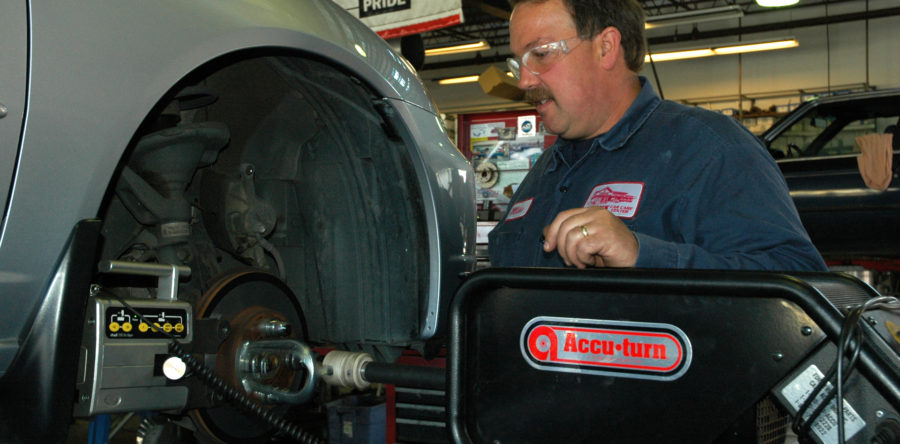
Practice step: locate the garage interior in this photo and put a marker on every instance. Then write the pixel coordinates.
(469, 387)
(842, 46)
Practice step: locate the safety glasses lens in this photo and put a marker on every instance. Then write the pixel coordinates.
(513, 66)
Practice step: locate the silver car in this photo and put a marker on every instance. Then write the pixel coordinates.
(249, 179)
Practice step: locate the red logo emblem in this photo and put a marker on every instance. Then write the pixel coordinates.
(619, 198)
(610, 348)
(520, 209)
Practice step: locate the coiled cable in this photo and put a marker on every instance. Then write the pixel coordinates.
(849, 346)
(226, 390)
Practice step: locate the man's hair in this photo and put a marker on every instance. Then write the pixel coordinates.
(593, 16)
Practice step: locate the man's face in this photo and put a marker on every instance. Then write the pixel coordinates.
(566, 95)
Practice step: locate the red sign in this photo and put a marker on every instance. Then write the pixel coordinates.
(610, 348)
(398, 18)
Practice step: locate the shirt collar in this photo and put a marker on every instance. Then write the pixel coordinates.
(638, 112)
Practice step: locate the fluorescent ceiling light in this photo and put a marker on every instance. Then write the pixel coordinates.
(457, 80)
(776, 3)
(678, 55)
(465, 79)
(697, 16)
(479, 45)
(759, 46)
(725, 49)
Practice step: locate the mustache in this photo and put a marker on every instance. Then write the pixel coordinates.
(537, 95)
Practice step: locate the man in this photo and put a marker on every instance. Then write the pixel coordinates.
(634, 181)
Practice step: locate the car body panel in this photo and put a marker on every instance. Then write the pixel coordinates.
(96, 72)
(453, 184)
(846, 219)
(13, 71)
(843, 216)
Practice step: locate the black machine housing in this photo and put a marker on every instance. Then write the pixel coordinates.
(734, 339)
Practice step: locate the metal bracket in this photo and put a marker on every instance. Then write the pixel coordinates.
(258, 360)
(168, 274)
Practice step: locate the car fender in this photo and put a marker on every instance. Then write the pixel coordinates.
(95, 73)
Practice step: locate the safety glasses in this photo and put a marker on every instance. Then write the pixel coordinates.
(541, 58)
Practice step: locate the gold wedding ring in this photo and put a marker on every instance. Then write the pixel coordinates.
(584, 231)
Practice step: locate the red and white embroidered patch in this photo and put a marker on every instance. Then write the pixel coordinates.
(619, 198)
(520, 209)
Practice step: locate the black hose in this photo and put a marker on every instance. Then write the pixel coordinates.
(405, 375)
(655, 75)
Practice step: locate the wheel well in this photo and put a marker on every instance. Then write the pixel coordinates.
(314, 183)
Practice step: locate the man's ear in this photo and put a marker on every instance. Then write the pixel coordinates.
(608, 47)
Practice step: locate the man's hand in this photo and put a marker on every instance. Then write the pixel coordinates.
(591, 237)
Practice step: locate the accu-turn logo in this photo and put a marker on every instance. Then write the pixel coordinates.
(609, 348)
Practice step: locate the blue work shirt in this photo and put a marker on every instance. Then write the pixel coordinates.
(696, 188)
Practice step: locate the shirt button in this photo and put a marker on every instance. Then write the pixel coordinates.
(563, 189)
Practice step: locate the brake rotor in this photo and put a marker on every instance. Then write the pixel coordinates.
(247, 300)
(487, 174)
